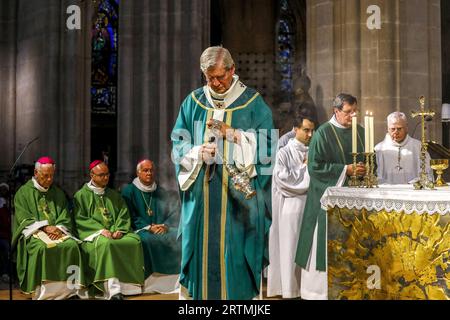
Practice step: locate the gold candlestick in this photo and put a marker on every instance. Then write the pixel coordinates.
(367, 181)
(424, 182)
(370, 179)
(354, 181)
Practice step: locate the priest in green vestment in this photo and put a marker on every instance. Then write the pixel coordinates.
(224, 236)
(329, 164)
(49, 261)
(155, 216)
(115, 263)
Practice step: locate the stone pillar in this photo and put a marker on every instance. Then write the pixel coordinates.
(160, 43)
(387, 69)
(8, 22)
(48, 87)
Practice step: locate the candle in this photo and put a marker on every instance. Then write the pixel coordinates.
(354, 135)
(366, 132)
(371, 133)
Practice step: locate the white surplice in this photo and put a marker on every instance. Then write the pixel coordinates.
(290, 182)
(399, 163)
(315, 282)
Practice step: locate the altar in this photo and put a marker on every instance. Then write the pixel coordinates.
(390, 242)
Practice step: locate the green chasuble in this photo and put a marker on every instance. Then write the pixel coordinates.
(162, 252)
(35, 262)
(329, 152)
(224, 236)
(108, 258)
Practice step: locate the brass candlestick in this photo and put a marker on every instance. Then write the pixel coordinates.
(370, 179)
(367, 183)
(424, 182)
(354, 181)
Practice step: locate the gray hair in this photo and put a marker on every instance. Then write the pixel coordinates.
(396, 117)
(138, 166)
(212, 56)
(39, 165)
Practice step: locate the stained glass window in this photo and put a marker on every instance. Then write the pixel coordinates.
(286, 49)
(104, 57)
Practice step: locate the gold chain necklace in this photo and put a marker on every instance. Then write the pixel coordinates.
(149, 210)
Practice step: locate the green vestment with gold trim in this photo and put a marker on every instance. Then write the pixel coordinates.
(329, 152)
(107, 258)
(36, 263)
(224, 236)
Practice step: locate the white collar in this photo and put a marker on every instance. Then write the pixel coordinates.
(222, 96)
(137, 182)
(335, 123)
(97, 190)
(224, 100)
(38, 186)
(389, 140)
(299, 146)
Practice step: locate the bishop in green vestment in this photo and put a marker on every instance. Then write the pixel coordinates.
(224, 235)
(329, 164)
(155, 216)
(49, 262)
(113, 252)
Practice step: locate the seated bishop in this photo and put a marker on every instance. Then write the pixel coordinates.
(113, 252)
(49, 261)
(155, 217)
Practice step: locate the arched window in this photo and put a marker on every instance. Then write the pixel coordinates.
(286, 49)
(105, 41)
(104, 57)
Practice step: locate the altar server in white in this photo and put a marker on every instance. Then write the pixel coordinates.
(398, 155)
(290, 182)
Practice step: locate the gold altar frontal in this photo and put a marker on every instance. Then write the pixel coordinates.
(388, 243)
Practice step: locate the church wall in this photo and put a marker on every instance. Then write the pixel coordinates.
(7, 84)
(445, 22)
(159, 50)
(248, 31)
(387, 69)
(47, 88)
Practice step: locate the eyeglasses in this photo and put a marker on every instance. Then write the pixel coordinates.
(349, 112)
(101, 175)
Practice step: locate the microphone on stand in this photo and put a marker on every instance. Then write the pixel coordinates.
(12, 190)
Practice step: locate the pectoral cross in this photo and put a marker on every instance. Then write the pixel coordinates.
(398, 167)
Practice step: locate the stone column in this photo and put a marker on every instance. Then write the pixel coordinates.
(160, 43)
(48, 87)
(387, 69)
(8, 23)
